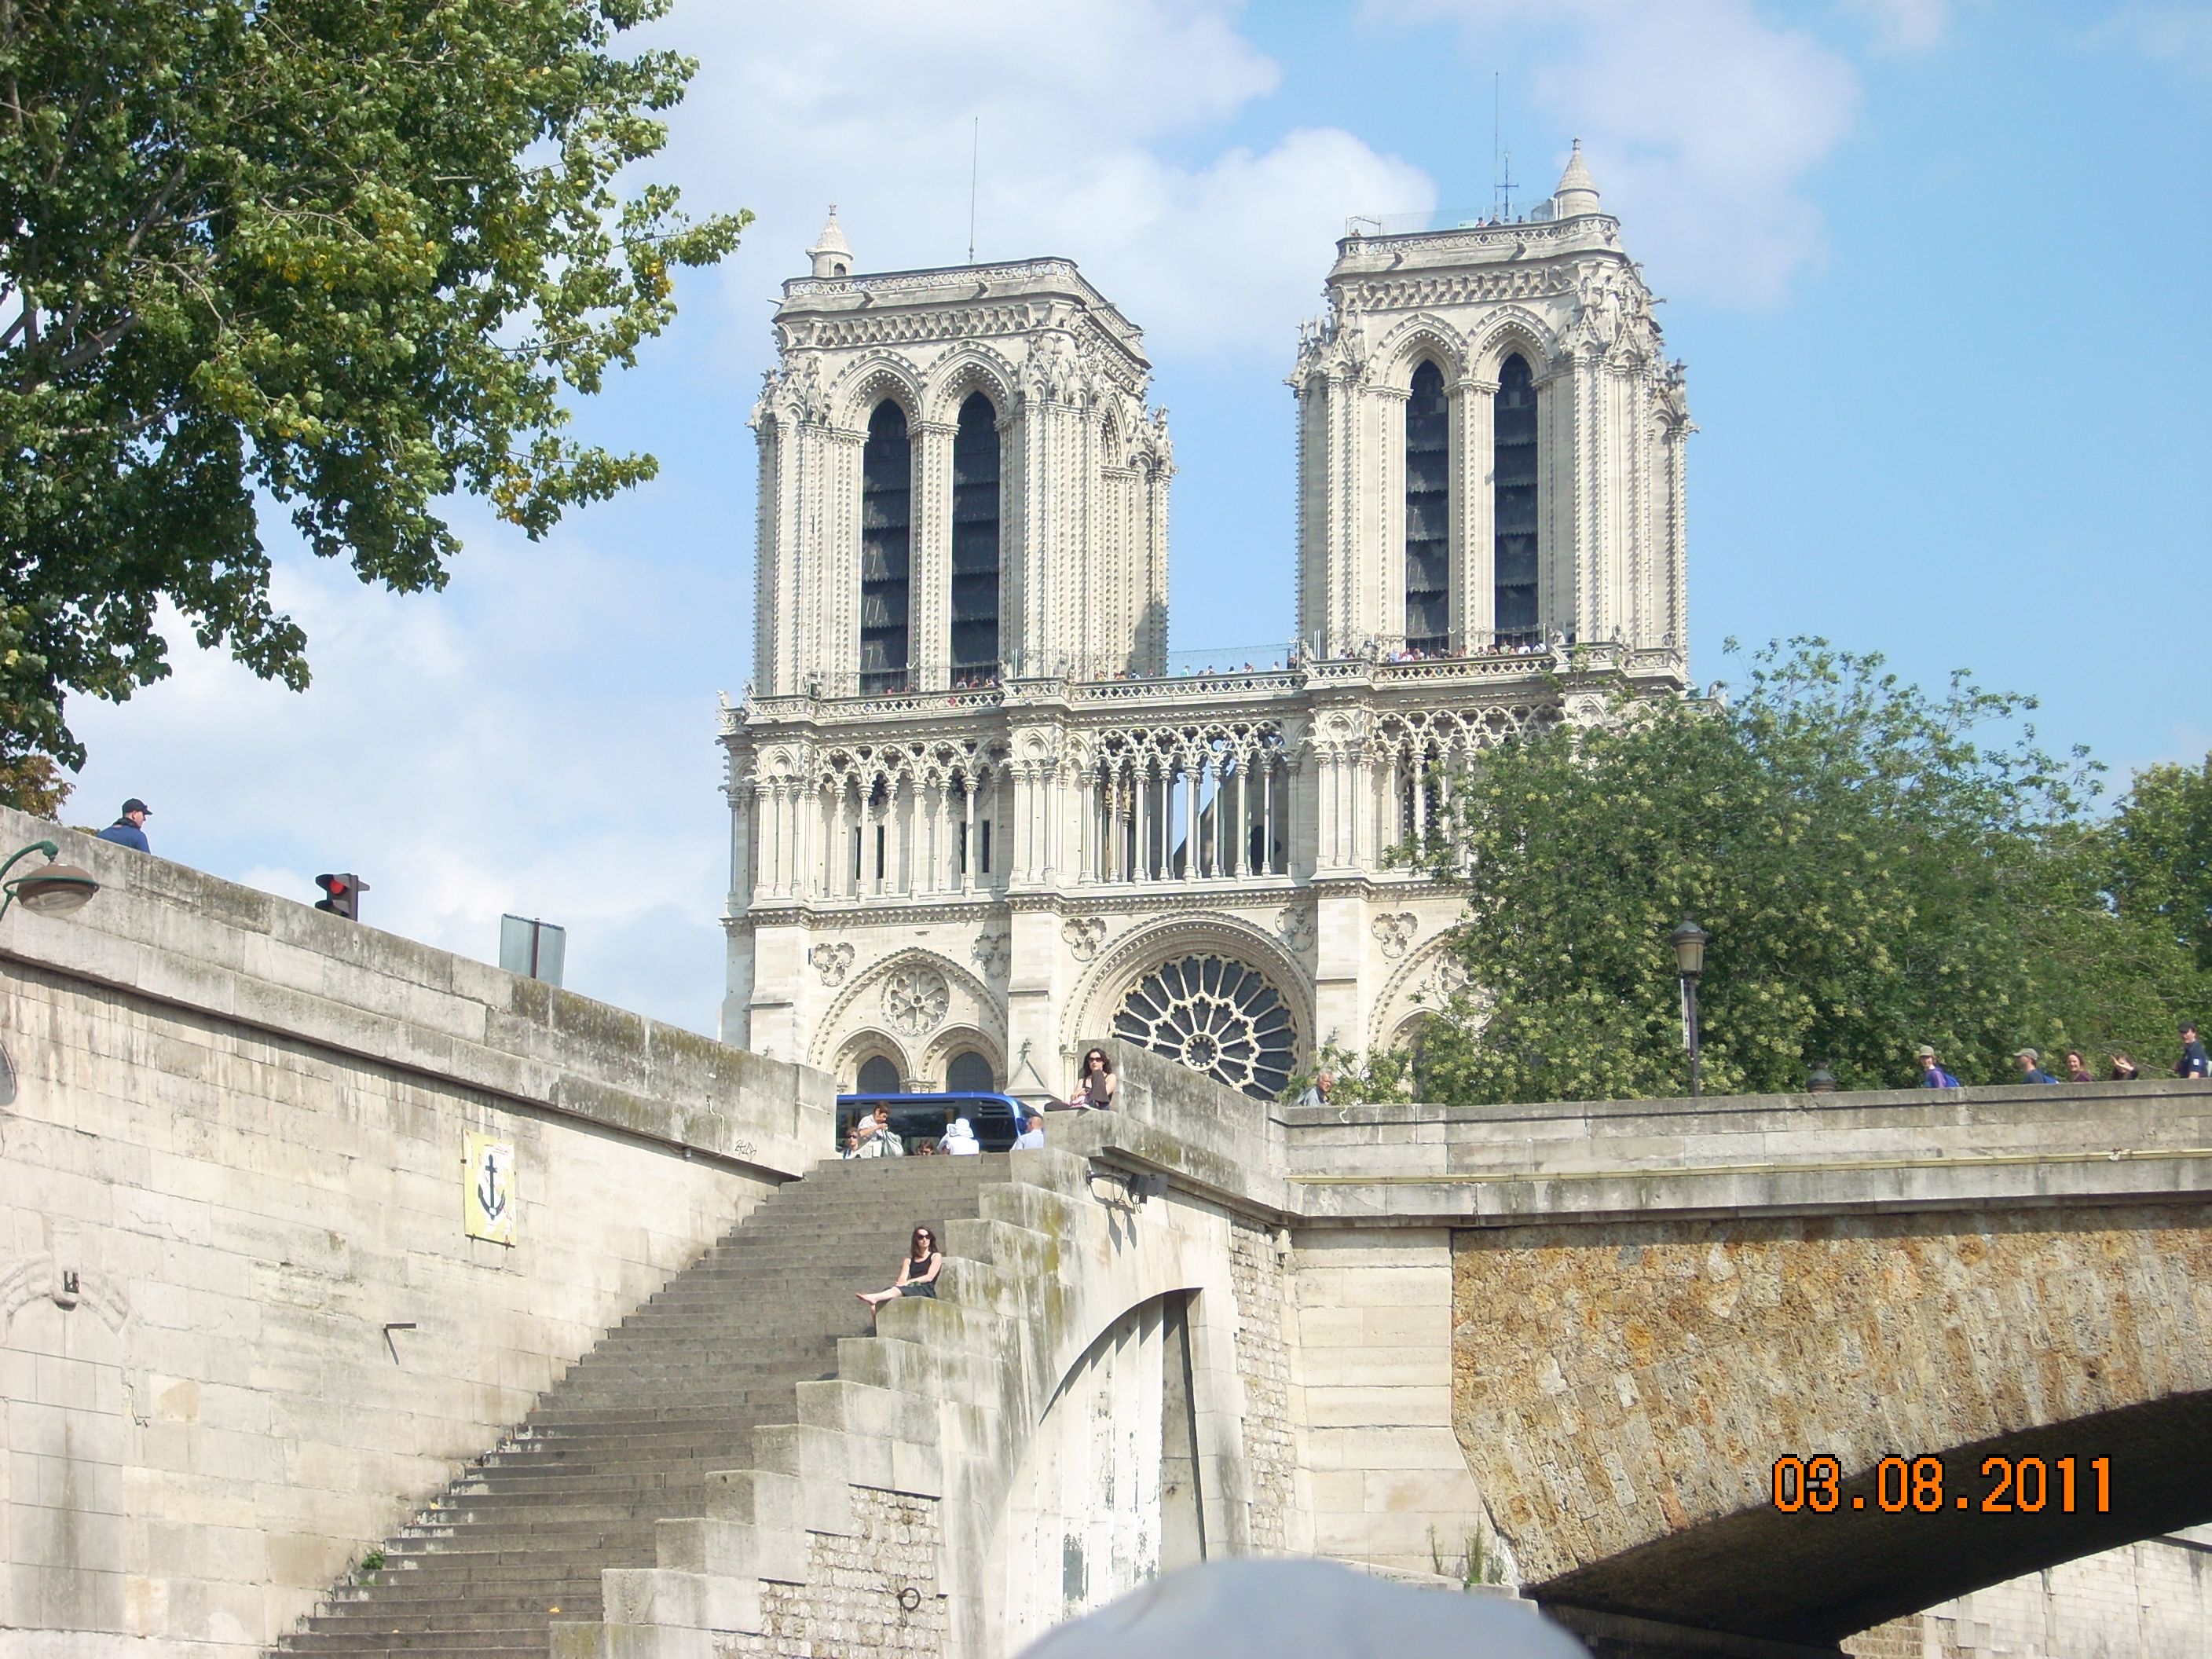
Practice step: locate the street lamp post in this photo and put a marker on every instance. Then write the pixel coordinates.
(52, 889)
(1689, 943)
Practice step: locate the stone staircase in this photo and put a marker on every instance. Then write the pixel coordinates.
(628, 1436)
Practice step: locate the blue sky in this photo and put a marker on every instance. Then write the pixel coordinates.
(1937, 267)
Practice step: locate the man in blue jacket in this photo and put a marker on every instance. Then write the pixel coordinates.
(130, 829)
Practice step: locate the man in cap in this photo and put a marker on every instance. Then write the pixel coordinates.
(130, 829)
(2193, 1062)
(2030, 1067)
(1932, 1075)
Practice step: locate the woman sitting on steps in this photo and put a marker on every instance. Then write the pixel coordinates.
(917, 1274)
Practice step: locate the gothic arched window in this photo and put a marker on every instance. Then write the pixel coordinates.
(1428, 512)
(975, 541)
(886, 548)
(1514, 423)
(970, 1073)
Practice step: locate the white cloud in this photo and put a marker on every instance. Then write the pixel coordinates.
(1088, 110)
(1700, 121)
(505, 745)
(2177, 35)
(1904, 26)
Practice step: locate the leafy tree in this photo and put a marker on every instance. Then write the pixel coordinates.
(1873, 870)
(350, 254)
(30, 723)
(2161, 853)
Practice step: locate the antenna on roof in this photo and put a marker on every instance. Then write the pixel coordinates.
(975, 153)
(1501, 160)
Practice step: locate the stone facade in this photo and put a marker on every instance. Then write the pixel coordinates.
(974, 820)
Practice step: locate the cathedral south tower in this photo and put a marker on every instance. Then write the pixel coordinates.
(976, 823)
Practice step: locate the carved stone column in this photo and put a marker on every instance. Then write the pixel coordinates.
(1475, 513)
(930, 589)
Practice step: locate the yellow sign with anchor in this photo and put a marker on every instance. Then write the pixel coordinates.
(488, 1206)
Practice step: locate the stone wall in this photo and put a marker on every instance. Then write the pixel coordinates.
(1381, 1480)
(242, 1331)
(1257, 1281)
(869, 1593)
(2149, 1601)
(1619, 1387)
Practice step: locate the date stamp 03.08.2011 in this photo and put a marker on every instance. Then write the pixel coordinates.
(2005, 1485)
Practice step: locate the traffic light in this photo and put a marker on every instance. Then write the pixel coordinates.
(342, 894)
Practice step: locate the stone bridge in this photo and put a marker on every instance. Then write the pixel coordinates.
(1556, 1349)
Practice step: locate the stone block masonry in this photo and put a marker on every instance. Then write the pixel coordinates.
(242, 1331)
(855, 1601)
(1257, 1279)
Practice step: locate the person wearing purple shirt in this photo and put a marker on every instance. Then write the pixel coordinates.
(1932, 1075)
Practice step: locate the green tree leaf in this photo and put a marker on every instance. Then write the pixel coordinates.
(349, 256)
(1878, 867)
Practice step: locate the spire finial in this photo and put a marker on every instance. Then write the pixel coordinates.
(1577, 191)
(831, 253)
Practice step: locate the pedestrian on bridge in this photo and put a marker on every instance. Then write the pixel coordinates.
(1932, 1075)
(130, 829)
(2030, 1067)
(2077, 1069)
(2193, 1061)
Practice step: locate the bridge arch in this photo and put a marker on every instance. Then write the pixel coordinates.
(1622, 1393)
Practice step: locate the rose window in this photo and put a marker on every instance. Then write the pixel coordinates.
(1216, 1016)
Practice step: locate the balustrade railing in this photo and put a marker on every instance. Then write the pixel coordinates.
(1218, 815)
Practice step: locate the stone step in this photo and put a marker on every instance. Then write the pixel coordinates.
(628, 1437)
(518, 1643)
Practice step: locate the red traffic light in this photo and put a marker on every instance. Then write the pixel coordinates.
(342, 894)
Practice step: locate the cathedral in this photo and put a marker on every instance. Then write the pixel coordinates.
(975, 822)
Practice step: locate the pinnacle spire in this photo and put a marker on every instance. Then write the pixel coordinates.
(1577, 191)
(831, 253)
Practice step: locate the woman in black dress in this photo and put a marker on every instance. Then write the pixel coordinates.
(917, 1274)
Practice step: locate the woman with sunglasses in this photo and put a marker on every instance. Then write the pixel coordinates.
(917, 1274)
(1095, 1086)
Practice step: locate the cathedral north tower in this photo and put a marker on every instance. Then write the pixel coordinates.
(1490, 442)
(959, 479)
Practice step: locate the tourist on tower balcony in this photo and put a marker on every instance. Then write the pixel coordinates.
(1932, 1075)
(1094, 1088)
(2030, 1067)
(917, 1274)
